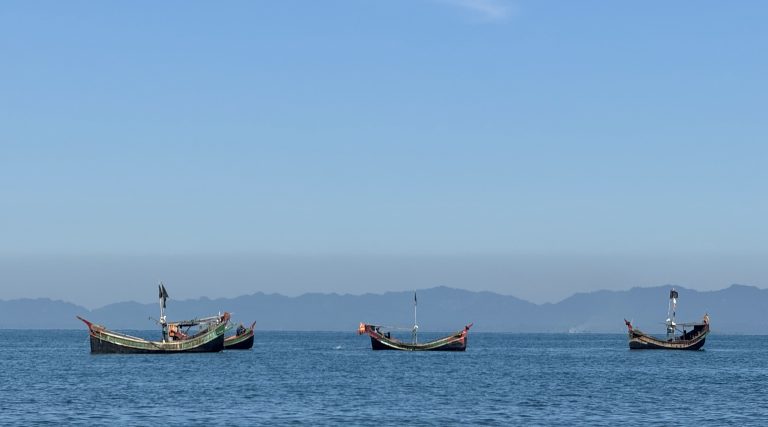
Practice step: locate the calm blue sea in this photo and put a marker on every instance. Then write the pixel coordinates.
(49, 377)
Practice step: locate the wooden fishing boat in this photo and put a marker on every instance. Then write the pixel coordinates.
(680, 336)
(383, 340)
(177, 336)
(209, 339)
(242, 340)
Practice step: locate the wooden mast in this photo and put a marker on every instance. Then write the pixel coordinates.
(415, 323)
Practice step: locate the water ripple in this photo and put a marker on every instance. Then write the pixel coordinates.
(49, 377)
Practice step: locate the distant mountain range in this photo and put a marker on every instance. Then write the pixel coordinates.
(735, 310)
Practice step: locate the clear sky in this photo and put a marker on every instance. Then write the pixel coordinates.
(533, 148)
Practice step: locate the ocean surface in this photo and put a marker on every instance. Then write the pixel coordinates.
(50, 377)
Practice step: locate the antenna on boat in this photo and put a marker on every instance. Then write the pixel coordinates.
(415, 323)
(671, 313)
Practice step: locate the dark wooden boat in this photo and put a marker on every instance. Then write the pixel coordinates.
(383, 340)
(242, 340)
(680, 336)
(177, 337)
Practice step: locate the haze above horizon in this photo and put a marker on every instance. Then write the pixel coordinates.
(530, 148)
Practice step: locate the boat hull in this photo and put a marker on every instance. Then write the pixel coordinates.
(239, 343)
(101, 346)
(380, 341)
(104, 341)
(693, 340)
(457, 345)
(642, 345)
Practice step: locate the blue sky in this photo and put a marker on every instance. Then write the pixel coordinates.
(423, 128)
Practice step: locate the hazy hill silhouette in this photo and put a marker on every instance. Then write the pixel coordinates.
(737, 309)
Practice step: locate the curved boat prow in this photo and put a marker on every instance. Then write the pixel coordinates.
(87, 323)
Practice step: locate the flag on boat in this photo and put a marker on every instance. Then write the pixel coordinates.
(163, 294)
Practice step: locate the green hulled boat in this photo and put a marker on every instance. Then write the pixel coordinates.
(242, 340)
(177, 337)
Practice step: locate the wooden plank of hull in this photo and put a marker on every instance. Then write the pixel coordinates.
(242, 342)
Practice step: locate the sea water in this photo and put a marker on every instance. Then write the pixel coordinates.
(324, 378)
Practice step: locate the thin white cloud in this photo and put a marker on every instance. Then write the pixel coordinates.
(488, 9)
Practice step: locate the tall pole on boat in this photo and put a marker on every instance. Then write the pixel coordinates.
(415, 323)
(163, 295)
(671, 313)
